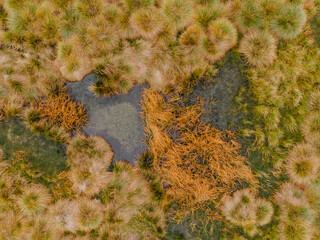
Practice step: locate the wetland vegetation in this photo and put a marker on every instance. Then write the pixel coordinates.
(160, 119)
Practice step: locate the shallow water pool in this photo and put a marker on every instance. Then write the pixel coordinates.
(117, 118)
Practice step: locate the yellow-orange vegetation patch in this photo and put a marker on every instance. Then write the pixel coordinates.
(199, 162)
(64, 111)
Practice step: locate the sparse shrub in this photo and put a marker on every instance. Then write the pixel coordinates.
(259, 48)
(279, 87)
(289, 22)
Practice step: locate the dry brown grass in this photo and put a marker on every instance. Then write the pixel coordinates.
(64, 111)
(198, 161)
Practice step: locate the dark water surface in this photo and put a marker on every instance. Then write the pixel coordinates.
(117, 118)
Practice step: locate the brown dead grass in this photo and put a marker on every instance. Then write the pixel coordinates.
(64, 111)
(199, 162)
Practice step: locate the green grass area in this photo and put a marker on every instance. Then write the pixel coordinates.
(43, 154)
(315, 24)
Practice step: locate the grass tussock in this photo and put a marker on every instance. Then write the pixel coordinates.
(245, 210)
(259, 48)
(64, 111)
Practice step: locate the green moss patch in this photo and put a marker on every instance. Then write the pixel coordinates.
(43, 154)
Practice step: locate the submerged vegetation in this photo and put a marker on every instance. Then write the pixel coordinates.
(260, 181)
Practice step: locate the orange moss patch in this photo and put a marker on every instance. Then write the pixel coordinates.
(199, 162)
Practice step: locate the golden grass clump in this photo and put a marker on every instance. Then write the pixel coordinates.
(212, 51)
(259, 48)
(223, 33)
(204, 15)
(298, 230)
(130, 210)
(314, 102)
(311, 127)
(290, 192)
(240, 209)
(147, 22)
(271, 8)
(289, 23)
(40, 228)
(62, 110)
(191, 37)
(63, 215)
(264, 212)
(189, 164)
(90, 214)
(302, 165)
(82, 150)
(72, 60)
(249, 16)
(137, 4)
(296, 212)
(178, 12)
(34, 199)
(13, 226)
(89, 8)
(89, 158)
(88, 180)
(245, 210)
